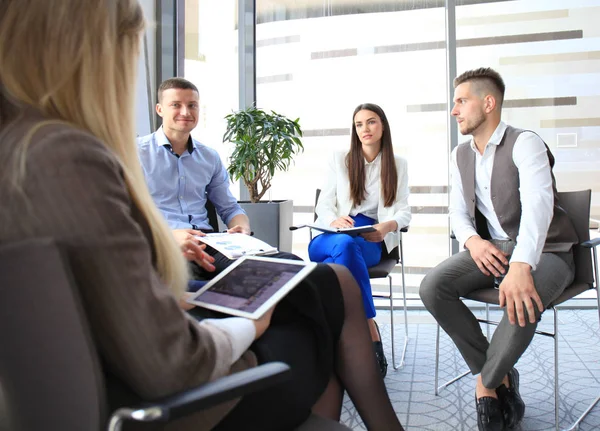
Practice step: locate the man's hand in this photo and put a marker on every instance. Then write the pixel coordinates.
(183, 235)
(239, 229)
(489, 259)
(517, 289)
(343, 222)
(194, 252)
(263, 323)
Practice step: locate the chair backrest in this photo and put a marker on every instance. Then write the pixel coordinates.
(212, 215)
(577, 205)
(317, 194)
(49, 371)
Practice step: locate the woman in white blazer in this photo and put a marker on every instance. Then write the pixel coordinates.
(368, 185)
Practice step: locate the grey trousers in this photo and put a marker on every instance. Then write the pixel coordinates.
(458, 275)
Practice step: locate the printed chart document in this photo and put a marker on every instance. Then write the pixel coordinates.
(352, 231)
(236, 245)
(251, 285)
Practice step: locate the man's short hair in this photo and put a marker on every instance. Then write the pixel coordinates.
(484, 77)
(178, 83)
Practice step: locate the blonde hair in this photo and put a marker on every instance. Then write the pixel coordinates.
(76, 61)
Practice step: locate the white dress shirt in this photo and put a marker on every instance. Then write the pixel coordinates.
(369, 206)
(537, 196)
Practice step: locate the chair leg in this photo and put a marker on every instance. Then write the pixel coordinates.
(437, 358)
(596, 276)
(405, 344)
(585, 413)
(392, 325)
(487, 317)
(438, 389)
(556, 386)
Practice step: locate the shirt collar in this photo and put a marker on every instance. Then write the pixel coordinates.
(162, 140)
(376, 160)
(496, 137)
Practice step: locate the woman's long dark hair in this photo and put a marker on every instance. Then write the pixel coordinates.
(355, 161)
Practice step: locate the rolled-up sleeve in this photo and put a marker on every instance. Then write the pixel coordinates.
(219, 194)
(537, 197)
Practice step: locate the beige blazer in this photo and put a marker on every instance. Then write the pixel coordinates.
(335, 201)
(73, 190)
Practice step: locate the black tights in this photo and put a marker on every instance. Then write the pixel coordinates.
(356, 367)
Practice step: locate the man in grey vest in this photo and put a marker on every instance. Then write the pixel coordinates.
(505, 213)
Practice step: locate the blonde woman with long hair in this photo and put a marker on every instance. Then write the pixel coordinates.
(70, 171)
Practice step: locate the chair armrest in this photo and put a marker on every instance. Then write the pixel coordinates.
(404, 229)
(591, 243)
(224, 389)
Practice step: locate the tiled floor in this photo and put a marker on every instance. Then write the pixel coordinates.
(411, 388)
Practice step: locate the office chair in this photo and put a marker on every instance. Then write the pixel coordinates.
(50, 373)
(383, 270)
(577, 206)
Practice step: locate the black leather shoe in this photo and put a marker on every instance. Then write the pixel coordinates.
(489, 414)
(379, 355)
(513, 407)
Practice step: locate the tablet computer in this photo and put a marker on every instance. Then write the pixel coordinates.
(251, 285)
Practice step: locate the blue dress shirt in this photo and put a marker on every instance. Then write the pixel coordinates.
(180, 185)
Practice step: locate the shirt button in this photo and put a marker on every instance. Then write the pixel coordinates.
(180, 197)
(182, 177)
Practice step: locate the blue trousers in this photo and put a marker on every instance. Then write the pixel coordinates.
(355, 253)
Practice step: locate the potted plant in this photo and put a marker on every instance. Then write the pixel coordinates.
(264, 142)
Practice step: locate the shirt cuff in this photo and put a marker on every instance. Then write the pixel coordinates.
(464, 237)
(240, 332)
(522, 255)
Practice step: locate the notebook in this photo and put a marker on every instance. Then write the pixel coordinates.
(236, 245)
(352, 231)
(251, 285)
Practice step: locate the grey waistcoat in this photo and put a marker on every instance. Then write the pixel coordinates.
(506, 197)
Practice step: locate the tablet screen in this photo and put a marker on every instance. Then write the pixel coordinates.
(251, 285)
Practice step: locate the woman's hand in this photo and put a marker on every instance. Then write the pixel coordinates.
(183, 301)
(381, 230)
(343, 222)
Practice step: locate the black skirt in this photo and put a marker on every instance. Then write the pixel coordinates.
(304, 333)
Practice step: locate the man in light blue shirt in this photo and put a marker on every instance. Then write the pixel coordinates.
(182, 174)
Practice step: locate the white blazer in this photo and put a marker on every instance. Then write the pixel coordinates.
(334, 200)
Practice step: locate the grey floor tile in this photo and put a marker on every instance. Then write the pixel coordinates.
(411, 388)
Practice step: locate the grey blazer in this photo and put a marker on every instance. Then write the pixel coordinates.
(73, 190)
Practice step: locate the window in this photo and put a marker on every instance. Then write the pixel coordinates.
(318, 60)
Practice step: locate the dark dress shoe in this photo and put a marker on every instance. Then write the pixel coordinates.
(379, 355)
(489, 414)
(513, 407)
